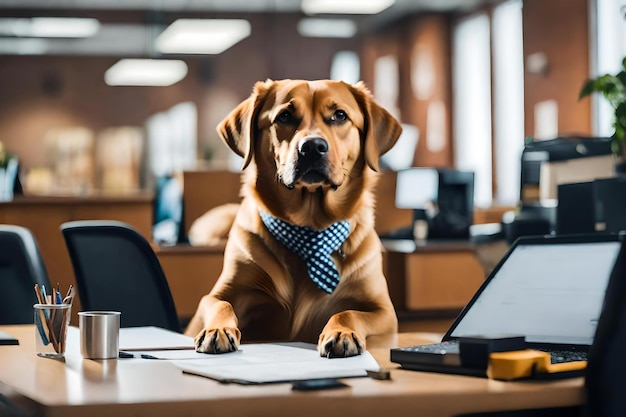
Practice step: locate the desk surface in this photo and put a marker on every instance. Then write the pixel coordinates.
(77, 387)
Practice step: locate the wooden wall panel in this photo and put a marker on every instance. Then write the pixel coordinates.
(422, 41)
(560, 30)
(426, 64)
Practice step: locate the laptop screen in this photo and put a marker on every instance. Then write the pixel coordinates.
(551, 293)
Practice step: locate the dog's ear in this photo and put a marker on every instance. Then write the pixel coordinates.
(238, 129)
(382, 130)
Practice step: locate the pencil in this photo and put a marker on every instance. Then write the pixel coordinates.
(38, 294)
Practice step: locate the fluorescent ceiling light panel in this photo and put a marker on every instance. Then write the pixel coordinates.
(327, 28)
(146, 72)
(23, 46)
(345, 6)
(50, 27)
(202, 36)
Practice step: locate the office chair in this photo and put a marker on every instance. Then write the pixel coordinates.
(605, 382)
(21, 267)
(116, 269)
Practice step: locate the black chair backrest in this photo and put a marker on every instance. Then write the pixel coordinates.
(606, 368)
(116, 269)
(21, 267)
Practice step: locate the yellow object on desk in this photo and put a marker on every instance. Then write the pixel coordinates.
(520, 364)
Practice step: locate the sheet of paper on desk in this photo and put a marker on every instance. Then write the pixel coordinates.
(148, 338)
(281, 362)
(145, 338)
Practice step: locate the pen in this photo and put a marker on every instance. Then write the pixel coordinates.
(44, 295)
(38, 321)
(57, 295)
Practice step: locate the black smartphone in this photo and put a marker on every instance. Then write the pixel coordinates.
(315, 384)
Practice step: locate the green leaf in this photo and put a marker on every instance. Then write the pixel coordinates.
(613, 89)
(588, 88)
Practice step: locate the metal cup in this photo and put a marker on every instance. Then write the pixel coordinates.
(99, 334)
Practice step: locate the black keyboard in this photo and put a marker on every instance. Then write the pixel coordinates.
(435, 348)
(448, 353)
(563, 356)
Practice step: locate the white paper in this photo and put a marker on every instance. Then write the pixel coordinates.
(153, 338)
(144, 339)
(266, 362)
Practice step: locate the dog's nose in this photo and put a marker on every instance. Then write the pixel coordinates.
(313, 147)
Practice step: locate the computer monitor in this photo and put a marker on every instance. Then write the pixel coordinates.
(443, 197)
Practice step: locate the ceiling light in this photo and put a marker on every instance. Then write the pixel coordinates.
(202, 36)
(49, 27)
(23, 46)
(146, 72)
(327, 28)
(345, 6)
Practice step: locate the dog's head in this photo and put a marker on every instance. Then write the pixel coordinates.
(312, 137)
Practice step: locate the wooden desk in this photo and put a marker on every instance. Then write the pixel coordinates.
(43, 216)
(77, 387)
(433, 276)
(191, 272)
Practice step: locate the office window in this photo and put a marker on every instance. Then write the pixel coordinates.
(387, 83)
(346, 67)
(508, 98)
(609, 44)
(472, 103)
(172, 141)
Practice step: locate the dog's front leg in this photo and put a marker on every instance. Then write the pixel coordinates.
(214, 326)
(342, 336)
(345, 333)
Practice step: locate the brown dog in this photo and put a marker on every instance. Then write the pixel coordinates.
(311, 151)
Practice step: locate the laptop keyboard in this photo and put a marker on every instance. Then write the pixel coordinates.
(564, 356)
(436, 348)
(419, 352)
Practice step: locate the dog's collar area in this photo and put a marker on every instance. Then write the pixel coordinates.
(312, 246)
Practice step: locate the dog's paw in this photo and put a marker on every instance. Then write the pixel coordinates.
(218, 340)
(340, 344)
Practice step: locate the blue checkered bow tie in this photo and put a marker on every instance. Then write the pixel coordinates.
(312, 246)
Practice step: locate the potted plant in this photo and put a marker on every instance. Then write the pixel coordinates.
(613, 88)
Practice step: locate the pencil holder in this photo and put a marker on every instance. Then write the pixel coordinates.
(51, 322)
(99, 334)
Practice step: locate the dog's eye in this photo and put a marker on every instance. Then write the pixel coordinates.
(339, 116)
(285, 118)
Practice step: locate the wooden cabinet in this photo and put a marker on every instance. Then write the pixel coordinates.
(434, 277)
(43, 216)
(191, 273)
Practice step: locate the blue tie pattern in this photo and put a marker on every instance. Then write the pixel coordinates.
(312, 246)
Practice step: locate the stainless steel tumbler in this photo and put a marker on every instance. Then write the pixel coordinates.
(99, 334)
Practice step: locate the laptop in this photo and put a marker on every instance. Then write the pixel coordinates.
(546, 290)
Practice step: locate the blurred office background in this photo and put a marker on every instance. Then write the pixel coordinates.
(471, 79)
(482, 87)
